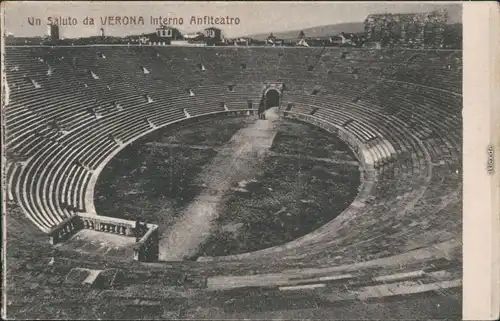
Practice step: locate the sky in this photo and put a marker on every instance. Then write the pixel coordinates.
(254, 17)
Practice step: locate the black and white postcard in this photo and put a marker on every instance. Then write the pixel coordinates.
(250, 160)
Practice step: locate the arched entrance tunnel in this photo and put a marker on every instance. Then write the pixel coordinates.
(272, 98)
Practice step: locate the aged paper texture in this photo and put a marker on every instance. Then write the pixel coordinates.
(250, 160)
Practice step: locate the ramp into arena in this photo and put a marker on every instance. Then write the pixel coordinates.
(237, 161)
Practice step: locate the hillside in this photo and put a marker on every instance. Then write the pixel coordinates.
(319, 31)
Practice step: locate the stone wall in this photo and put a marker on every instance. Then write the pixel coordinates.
(145, 249)
(418, 30)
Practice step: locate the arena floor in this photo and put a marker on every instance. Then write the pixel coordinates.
(231, 188)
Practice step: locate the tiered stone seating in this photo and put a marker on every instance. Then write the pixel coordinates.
(410, 126)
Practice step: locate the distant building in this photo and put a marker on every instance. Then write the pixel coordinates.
(273, 40)
(213, 34)
(335, 40)
(302, 43)
(168, 32)
(53, 32)
(197, 36)
(242, 41)
(347, 39)
(343, 40)
(319, 42)
(142, 39)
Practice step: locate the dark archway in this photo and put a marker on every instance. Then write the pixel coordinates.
(272, 98)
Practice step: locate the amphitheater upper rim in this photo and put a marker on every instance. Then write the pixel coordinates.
(234, 47)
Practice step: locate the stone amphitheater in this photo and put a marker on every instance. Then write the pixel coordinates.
(395, 252)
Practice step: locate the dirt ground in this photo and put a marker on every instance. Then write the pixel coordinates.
(230, 186)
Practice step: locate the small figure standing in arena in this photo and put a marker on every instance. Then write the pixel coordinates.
(262, 110)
